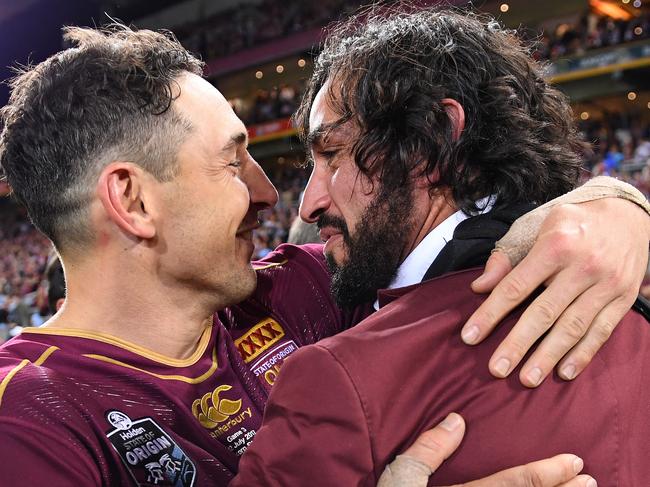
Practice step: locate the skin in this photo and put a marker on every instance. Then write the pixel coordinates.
(337, 188)
(179, 249)
(591, 281)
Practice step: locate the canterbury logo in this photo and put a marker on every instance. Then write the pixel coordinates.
(259, 339)
(211, 410)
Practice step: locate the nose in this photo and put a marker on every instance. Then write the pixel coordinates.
(316, 197)
(262, 192)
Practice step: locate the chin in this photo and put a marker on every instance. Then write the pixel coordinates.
(243, 285)
(337, 256)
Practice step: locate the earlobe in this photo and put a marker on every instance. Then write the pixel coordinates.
(456, 115)
(121, 192)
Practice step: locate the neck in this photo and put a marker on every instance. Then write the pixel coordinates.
(430, 212)
(131, 302)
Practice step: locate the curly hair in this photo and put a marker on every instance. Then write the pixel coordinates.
(389, 72)
(108, 98)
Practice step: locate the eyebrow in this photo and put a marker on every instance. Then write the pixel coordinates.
(240, 138)
(316, 135)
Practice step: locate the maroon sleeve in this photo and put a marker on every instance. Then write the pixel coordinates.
(312, 430)
(36, 455)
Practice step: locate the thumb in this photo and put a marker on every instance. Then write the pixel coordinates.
(436, 445)
(498, 265)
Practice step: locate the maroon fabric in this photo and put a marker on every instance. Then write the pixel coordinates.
(58, 390)
(343, 408)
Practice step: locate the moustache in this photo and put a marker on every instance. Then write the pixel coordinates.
(336, 222)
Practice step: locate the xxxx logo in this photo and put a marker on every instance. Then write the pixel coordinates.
(259, 339)
(211, 410)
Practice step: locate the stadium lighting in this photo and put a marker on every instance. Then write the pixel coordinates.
(279, 69)
(631, 96)
(610, 10)
(302, 63)
(504, 7)
(638, 30)
(259, 75)
(625, 1)
(637, 3)
(584, 115)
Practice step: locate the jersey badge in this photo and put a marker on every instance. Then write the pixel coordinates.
(259, 338)
(149, 454)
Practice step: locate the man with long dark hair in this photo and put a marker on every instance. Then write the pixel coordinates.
(430, 132)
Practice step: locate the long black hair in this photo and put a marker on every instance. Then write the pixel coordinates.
(389, 72)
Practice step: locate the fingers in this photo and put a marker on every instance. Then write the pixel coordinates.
(552, 472)
(435, 445)
(507, 295)
(580, 481)
(602, 327)
(496, 268)
(568, 331)
(547, 309)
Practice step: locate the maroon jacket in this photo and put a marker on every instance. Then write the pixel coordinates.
(343, 408)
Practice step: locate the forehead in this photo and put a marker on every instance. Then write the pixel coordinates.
(325, 123)
(206, 109)
(321, 113)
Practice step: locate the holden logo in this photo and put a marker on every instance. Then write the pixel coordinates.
(211, 410)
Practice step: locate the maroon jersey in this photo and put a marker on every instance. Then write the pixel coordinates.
(363, 396)
(83, 408)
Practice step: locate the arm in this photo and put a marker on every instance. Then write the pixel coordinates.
(590, 248)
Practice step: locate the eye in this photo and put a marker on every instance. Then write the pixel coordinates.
(328, 156)
(235, 164)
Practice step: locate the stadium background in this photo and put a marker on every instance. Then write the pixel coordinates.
(258, 53)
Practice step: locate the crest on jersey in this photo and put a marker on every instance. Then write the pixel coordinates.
(151, 456)
(259, 338)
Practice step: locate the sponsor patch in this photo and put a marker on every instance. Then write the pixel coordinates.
(227, 417)
(269, 365)
(149, 454)
(259, 339)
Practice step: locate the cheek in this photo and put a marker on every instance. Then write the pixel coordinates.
(352, 193)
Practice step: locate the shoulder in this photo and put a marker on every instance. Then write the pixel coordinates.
(26, 377)
(287, 255)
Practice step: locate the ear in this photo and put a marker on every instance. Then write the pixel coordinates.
(122, 192)
(456, 115)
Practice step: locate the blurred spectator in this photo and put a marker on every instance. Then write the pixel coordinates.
(591, 32)
(613, 159)
(303, 233)
(23, 256)
(266, 105)
(642, 151)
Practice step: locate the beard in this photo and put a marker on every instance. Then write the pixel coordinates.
(374, 252)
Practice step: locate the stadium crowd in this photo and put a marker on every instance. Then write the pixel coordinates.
(251, 24)
(23, 256)
(266, 105)
(593, 31)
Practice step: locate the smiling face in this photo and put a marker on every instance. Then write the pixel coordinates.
(211, 205)
(367, 232)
